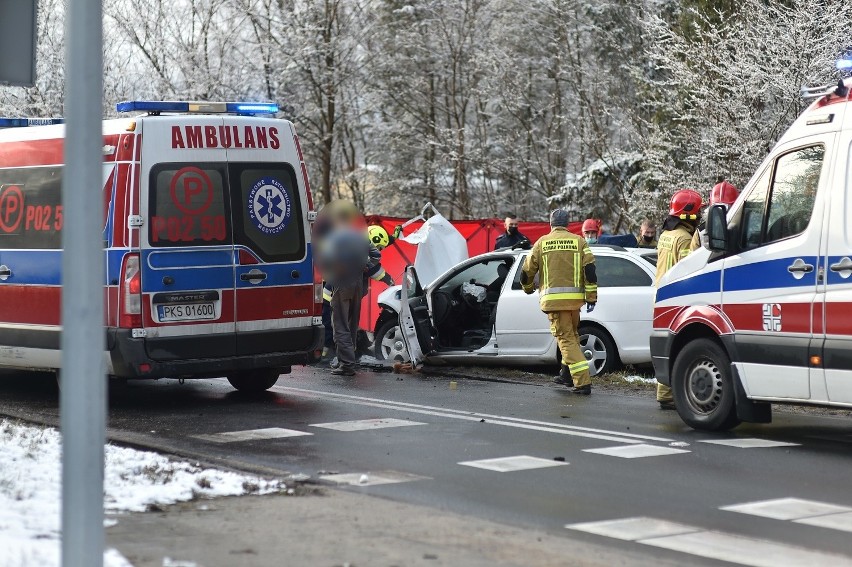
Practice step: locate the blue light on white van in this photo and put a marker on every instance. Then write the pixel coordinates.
(252, 107)
(158, 106)
(21, 122)
(844, 62)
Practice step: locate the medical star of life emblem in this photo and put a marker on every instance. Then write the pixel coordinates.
(772, 317)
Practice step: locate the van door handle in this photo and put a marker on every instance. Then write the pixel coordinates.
(799, 268)
(844, 266)
(254, 276)
(5, 272)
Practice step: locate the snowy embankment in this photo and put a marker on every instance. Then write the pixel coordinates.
(134, 481)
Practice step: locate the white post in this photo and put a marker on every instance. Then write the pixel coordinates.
(83, 396)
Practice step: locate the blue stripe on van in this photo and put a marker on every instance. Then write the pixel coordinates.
(757, 275)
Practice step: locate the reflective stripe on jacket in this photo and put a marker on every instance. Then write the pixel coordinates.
(559, 258)
(674, 246)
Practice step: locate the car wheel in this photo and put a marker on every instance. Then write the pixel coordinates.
(254, 381)
(389, 344)
(703, 387)
(599, 349)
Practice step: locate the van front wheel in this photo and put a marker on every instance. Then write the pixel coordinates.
(703, 387)
(254, 381)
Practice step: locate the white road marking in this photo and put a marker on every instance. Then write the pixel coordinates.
(632, 529)
(562, 429)
(362, 424)
(787, 508)
(372, 478)
(252, 435)
(512, 464)
(842, 522)
(636, 451)
(748, 443)
(746, 550)
(720, 546)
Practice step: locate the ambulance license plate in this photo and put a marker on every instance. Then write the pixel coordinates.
(186, 312)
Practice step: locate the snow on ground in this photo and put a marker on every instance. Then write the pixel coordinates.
(134, 481)
(640, 380)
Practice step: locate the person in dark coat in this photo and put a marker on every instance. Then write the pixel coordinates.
(512, 236)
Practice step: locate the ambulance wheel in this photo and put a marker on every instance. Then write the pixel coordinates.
(389, 344)
(703, 387)
(253, 381)
(599, 349)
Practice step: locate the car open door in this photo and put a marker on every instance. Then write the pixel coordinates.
(415, 321)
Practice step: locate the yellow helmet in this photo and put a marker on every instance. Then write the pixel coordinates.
(378, 236)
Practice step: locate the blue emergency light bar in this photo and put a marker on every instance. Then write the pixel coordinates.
(158, 106)
(22, 122)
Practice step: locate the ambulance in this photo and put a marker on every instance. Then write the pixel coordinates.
(764, 313)
(206, 243)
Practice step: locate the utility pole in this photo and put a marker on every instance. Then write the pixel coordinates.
(83, 380)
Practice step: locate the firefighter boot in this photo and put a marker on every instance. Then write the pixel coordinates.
(564, 377)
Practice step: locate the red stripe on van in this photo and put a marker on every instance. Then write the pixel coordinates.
(262, 303)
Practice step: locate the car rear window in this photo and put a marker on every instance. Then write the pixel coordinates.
(620, 272)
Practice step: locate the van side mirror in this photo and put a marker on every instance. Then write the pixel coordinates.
(717, 228)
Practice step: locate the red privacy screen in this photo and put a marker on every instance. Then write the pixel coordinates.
(480, 236)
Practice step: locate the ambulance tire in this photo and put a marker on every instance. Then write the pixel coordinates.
(254, 381)
(703, 387)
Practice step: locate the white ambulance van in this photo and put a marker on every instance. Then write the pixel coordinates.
(206, 234)
(765, 314)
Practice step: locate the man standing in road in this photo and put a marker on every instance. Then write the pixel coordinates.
(566, 269)
(674, 246)
(512, 236)
(344, 257)
(647, 235)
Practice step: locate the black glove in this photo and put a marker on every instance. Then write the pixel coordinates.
(590, 307)
(388, 280)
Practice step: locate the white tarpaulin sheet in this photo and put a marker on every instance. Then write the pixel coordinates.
(439, 247)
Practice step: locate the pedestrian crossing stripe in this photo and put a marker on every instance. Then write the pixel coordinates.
(512, 464)
(636, 451)
(365, 424)
(721, 546)
(251, 435)
(748, 443)
(800, 511)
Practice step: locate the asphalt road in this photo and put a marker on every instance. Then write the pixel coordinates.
(421, 440)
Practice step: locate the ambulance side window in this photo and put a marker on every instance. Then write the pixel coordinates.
(31, 208)
(791, 195)
(752, 215)
(794, 190)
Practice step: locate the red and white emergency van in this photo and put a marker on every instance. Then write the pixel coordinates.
(206, 234)
(765, 314)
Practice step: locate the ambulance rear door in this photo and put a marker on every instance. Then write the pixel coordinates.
(274, 267)
(187, 250)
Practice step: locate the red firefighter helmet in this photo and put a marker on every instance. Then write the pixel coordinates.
(724, 193)
(685, 204)
(591, 225)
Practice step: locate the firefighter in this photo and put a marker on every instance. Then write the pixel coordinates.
(674, 246)
(566, 269)
(723, 193)
(591, 230)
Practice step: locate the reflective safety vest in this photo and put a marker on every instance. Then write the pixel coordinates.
(674, 245)
(559, 258)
